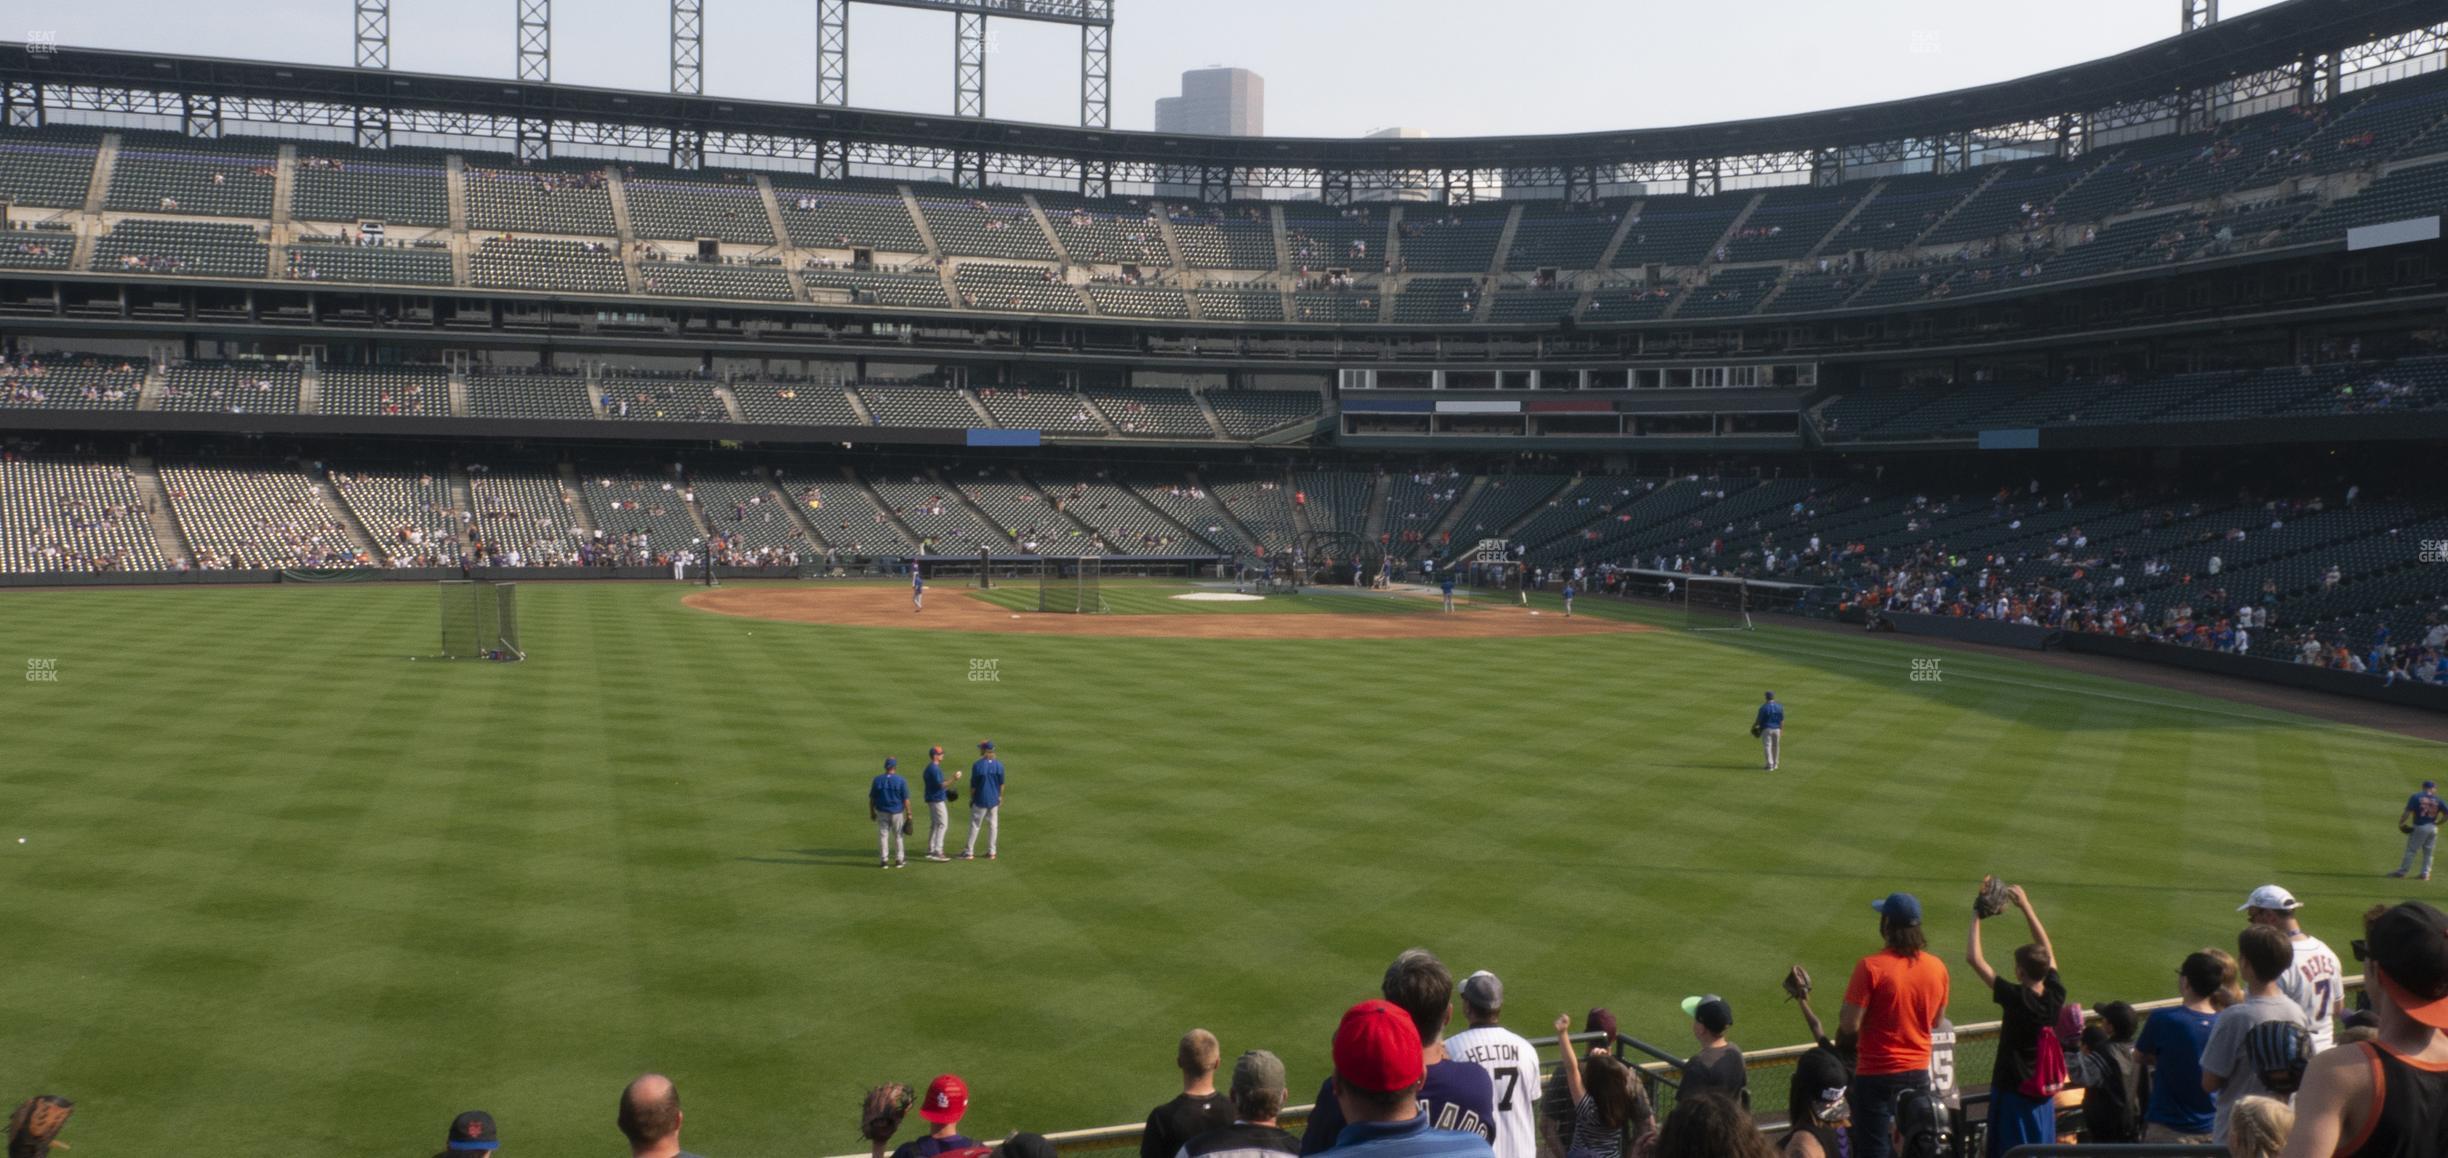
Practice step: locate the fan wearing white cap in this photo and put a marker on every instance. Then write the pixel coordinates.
(1509, 1059)
(2317, 980)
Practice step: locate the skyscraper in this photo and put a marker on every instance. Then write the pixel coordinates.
(1216, 102)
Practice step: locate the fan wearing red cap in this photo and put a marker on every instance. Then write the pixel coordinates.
(1378, 1067)
(945, 1103)
(2386, 1098)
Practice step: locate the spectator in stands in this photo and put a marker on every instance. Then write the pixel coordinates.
(2228, 1060)
(2023, 1081)
(650, 1118)
(2316, 981)
(1608, 1117)
(945, 1104)
(1718, 1065)
(2260, 1128)
(1379, 1071)
(1711, 1125)
(470, 1133)
(2388, 1097)
(1816, 1112)
(1509, 1059)
(1258, 1091)
(1455, 1095)
(2109, 1075)
(1894, 998)
(1199, 1109)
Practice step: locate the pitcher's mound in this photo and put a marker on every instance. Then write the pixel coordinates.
(864, 606)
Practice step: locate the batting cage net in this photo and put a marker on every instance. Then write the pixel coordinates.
(1714, 603)
(480, 620)
(1070, 584)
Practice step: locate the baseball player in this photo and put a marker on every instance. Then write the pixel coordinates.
(1447, 585)
(2420, 823)
(1568, 593)
(1769, 726)
(985, 800)
(888, 806)
(917, 588)
(939, 797)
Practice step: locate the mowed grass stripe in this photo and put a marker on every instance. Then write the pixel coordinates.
(273, 862)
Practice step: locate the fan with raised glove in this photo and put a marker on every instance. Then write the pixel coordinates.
(1797, 983)
(881, 1113)
(1994, 896)
(35, 1127)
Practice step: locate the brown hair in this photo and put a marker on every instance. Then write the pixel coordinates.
(1199, 1054)
(2266, 951)
(1609, 1082)
(649, 1110)
(1419, 984)
(1902, 937)
(2031, 963)
(2228, 992)
(1711, 1125)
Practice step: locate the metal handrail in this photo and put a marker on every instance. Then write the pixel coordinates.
(2130, 1150)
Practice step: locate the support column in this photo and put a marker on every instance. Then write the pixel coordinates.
(968, 64)
(1096, 76)
(535, 40)
(833, 52)
(688, 47)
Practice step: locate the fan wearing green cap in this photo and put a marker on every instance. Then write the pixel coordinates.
(1719, 1065)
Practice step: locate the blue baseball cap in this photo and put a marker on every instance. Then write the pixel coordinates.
(2430, 783)
(985, 745)
(890, 763)
(1903, 907)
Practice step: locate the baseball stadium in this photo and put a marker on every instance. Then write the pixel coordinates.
(537, 599)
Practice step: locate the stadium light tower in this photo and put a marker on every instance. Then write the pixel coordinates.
(535, 40)
(373, 33)
(971, 46)
(688, 47)
(2199, 14)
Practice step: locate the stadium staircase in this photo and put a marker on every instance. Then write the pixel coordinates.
(594, 392)
(1087, 532)
(284, 183)
(1453, 514)
(926, 235)
(1614, 246)
(1224, 511)
(1215, 425)
(696, 511)
(149, 393)
(985, 418)
(1732, 229)
(571, 484)
(167, 537)
(462, 497)
(730, 402)
(458, 394)
(960, 494)
(618, 191)
(790, 502)
(1373, 526)
(1173, 252)
(1300, 511)
(1283, 250)
(781, 231)
(327, 494)
(1393, 254)
(1837, 230)
(858, 405)
(1995, 172)
(1189, 533)
(1037, 214)
(1504, 243)
(876, 498)
(310, 386)
(106, 162)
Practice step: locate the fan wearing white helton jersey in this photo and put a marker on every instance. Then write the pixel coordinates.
(1509, 1059)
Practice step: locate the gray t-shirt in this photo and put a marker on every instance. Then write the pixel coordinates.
(2226, 1055)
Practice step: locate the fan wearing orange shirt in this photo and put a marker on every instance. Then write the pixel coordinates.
(1895, 996)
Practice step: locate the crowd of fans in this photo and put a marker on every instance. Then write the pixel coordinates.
(2259, 1054)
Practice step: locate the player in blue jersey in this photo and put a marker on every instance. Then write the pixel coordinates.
(2420, 823)
(939, 797)
(1447, 585)
(1568, 593)
(888, 806)
(917, 588)
(1769, 726)
(985, 800)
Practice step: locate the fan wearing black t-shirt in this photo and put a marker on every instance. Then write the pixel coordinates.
(1198, 1110)
(1719, 1065)
(2022, 1110)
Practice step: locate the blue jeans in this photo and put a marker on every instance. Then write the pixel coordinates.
(1874, 1110)
(2015, 1120)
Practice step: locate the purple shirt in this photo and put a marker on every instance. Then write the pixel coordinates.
(1457, 1095)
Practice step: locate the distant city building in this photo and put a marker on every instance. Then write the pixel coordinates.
(1216, 102)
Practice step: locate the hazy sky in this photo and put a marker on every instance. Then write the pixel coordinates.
(1332, 67)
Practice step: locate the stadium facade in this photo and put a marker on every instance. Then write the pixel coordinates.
(460, 320)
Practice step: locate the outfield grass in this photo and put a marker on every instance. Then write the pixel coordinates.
(278, 873)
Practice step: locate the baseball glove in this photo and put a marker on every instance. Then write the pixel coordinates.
(952, 796)
(1755, 731)
(1992, 899)
(33, 1129)
(1798, 983)
(880, 1116)
(2405, 828)
(905, 824)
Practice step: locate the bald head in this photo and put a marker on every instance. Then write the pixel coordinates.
(650, 1112)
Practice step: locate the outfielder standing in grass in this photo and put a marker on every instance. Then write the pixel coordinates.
(888, 806)
(985, 800)
(939, 798)
(2420, 824)
(1769, 726)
